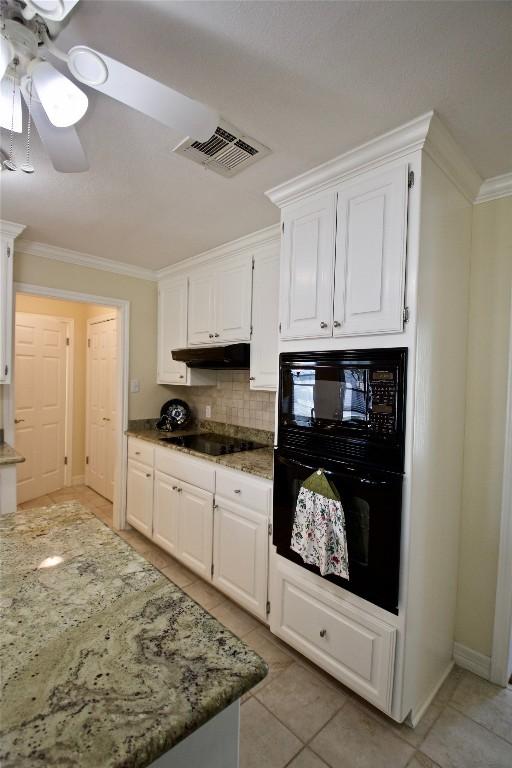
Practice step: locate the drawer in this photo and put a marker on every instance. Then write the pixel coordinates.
(141, 450)
(186, 468)
(245, 490)
(353, 646)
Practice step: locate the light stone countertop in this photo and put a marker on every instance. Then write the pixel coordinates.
(104, 662)
(258, 462)
(9, 456)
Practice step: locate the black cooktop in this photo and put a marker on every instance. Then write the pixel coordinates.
(213, 444)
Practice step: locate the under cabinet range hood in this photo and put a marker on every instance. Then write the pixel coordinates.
(234, 356)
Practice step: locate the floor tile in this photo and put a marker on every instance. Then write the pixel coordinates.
(413, 736)
(260, 640)
(264, 741)
(420, 760)
(485, 703)
(157, 557)
(447, 689)
(235, 618)
(301, 701)
(41, 501)
(179, 575)
(307, 759)
(455, 741)
(353, 739)
(204, 594)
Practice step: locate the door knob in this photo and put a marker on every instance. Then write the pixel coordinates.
(17, 421)
(337, 324)
(323, 325)
(105, 418)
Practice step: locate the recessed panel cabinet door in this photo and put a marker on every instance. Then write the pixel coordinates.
(165, 512)
(195, 529)
(240, 546)
(370, 253)
(307, 268)
(172, 330)
(201, 309)
(265, 320)
(233, 299)
(139, 497)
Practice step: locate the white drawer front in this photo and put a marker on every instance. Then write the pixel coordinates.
(141, 451)
(351, 645)
(187, 468)
(250, 492)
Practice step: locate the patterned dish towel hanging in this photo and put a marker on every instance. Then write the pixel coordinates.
(319, 534)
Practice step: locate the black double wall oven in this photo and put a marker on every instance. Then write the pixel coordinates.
(344, 412)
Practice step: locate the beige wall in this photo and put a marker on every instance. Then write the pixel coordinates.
(489, 328)
(79, 313)
(142, 295)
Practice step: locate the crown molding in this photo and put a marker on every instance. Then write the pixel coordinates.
(10, 229)
(245, 244)
(83, 259)
(424, 132)
(494, 188)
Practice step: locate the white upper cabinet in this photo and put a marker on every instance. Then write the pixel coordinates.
(172, 330)
(370, 252)
(265, 319)
(8, 233)
(307, 267)
(201, 307)
(219, 302)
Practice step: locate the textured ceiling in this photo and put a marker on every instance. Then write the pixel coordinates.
(309, 79)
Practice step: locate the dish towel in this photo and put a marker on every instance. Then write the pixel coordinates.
(319, 533)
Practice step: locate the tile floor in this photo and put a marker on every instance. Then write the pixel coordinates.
(299, 717)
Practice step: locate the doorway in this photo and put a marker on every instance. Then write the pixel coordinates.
(76, 446)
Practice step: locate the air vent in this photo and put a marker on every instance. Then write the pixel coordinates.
(227, 152)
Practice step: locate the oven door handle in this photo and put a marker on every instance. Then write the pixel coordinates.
(352, 473)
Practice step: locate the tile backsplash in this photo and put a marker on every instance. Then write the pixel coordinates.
(231, 401)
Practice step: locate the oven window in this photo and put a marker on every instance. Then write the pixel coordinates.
(326, 394)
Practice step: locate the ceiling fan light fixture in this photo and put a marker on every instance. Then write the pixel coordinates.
(6, 55)
(10, 105)
(87, 66)
(62, 101)
(55, 10)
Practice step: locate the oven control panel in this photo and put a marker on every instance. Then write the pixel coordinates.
(383, 403)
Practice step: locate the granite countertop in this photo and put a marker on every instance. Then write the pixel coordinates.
(9, 456)
(104, 662)
(257, 462)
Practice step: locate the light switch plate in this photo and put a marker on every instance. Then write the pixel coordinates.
(208, 411)
(134, 386)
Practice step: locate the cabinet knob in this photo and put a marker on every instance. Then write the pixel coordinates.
(17, 421)
(323, 632)
(237, 490)
(216, 335)
(148, 474)
(180, 490)
(323, 325)
(210, 335)
(175, 487)
(181, 376)
(137, 453)
(337, 324)
(252, 378)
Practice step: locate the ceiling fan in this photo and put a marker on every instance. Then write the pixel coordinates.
(55, 104)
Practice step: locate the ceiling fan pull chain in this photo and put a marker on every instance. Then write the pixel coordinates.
(27, 166)
(10, 163)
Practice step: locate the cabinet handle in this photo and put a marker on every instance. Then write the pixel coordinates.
(148, 474)
(337, 324)
(216, 335)
(137, 453)
(210, 335)
(175, 487)
(237, 490)
(181, 376)
(105, 418)
(323, 632)
(323, 325)
(17, 421)
(180, 490)
(252, 378)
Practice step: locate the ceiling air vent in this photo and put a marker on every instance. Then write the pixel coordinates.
(227, 152)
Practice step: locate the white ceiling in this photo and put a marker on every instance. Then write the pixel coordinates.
(309, 79)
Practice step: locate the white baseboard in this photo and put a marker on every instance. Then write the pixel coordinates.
(472, 660)
(78, 480)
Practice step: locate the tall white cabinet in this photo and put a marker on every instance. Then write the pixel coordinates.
(9, 231)
(376, 253)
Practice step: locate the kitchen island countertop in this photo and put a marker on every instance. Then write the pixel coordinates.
(8, 455)
(104, 661)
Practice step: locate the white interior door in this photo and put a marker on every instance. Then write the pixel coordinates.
(102, 409)
(40, 392)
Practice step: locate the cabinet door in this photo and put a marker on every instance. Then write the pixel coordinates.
(307, 267)
(240, 547)
(172, 330)
(165, 512)
(6, 250)
(233, 286)
(139, 497)
(195, 529)
(201, 312)
(370, 253)
(265, 320)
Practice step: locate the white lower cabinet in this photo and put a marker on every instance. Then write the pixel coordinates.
(352, 645)
(195, 529)
(165, 513)
(139, 496)
(240, 554)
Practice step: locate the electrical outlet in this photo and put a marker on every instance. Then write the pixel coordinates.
(208, 411)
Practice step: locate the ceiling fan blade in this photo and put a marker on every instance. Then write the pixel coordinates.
(62, 144)
(141, 92)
